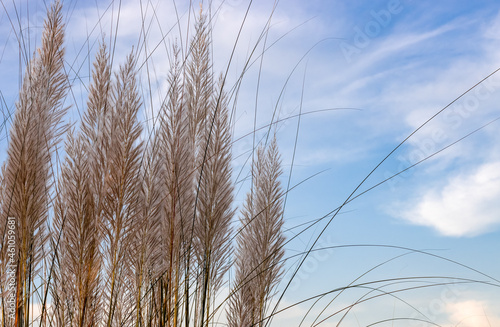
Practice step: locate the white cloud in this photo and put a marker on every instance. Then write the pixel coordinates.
(466, 206)
(471, 313)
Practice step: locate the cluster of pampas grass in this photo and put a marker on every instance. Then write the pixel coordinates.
(140, 231)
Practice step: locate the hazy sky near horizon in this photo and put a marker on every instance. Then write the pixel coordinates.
(368, 74)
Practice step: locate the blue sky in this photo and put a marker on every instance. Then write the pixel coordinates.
(382, 69)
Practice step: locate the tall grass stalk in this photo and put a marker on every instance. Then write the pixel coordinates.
(29, 168)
